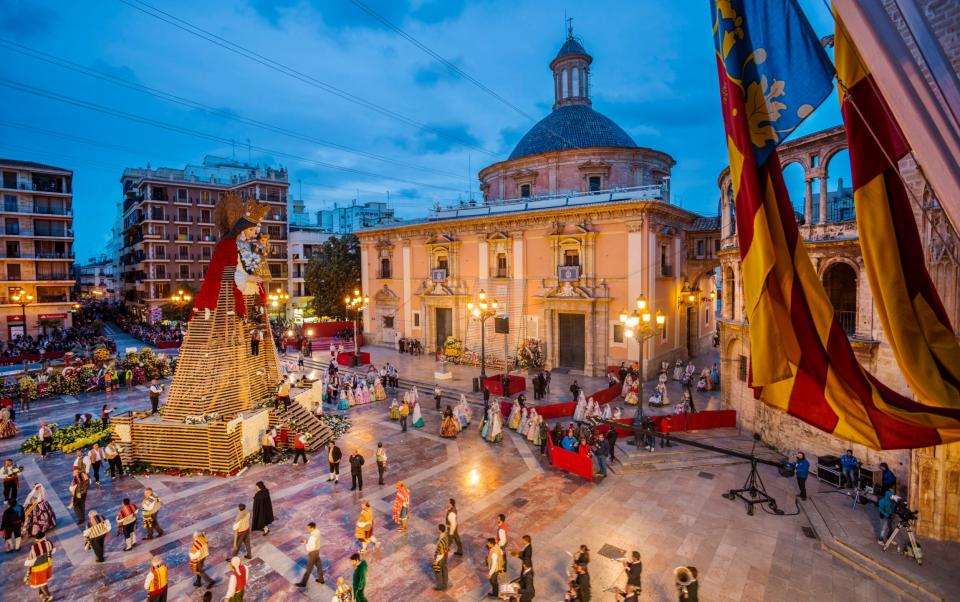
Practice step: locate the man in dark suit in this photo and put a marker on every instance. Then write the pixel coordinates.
(526, 552)
(526, 582)
(633, 568)
(582, 583)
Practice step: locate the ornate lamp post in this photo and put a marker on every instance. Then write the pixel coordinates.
(640, 324)
(22, 298)
(481, 309)
(357, 303)
(183, 299)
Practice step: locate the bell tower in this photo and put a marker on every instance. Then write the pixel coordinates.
(571, 72)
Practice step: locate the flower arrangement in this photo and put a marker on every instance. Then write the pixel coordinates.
(101, 356)
(530, 354)
(338, 425)
(64, 438)
(202, 419)
(452, 347)
(27, 387)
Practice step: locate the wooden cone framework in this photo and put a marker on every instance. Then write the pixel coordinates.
(216, 373)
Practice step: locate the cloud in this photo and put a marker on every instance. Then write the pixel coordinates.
(434, 73)
(439, 139)
(343, 14)
(25, 19)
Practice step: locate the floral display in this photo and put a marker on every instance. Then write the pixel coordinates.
(530, 355)
(337, 424)
(101, 356)
(68, 438)
(453, 347)
(203, 419)
(27, 387)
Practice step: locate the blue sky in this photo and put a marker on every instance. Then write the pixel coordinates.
(653, 73)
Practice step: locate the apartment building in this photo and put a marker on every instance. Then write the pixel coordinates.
(98, 277)
(36, 257)
(168, 231)
(350, 218)
(305, 240)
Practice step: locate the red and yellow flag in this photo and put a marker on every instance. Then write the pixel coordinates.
(914, 321)
(773, 73)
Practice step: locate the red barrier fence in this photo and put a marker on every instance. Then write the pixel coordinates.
(495, 384)
(573, 462)
(30, 357)
(708, 419)
(167, 345)
(346, 357)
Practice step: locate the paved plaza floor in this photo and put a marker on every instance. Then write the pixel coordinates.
(673, 517)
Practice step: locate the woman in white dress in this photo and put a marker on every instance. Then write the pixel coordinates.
(523, 421)
(678, 370)
(664, 397)
(466, 415)
(495, 430)
(627, 383)
(417, 416)
(533, 432)
(578, 413)
(605, 412)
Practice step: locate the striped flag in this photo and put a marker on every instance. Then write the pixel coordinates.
(773, 73)
(913, 318)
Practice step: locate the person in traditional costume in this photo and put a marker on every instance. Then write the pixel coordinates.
(417, 416)
(523, 421)
(359, 577)
(38, 514)
(237, 582)
(344, 400)
(449, 426)
(379, 393)
(7, 427)
(156, 582)
(394, 410)
(485, 423)
(97, 529)
(39, 565)
(605, 412)
(262, 509)
(364, 527)
(627, 384)
(690, 370)
(351, 398)
(678, 370)
(440, 555)
(150, 509)
(715, 376)
(343, 592)
(513, 420)
(495, 429)
(533, 427)
(631, 397)
(662, 379)
(45, 434)
(127, 524)
(401, 506)
(199, 551)
(655, 398)
(12, 525)
(363, 393)
(580, 410)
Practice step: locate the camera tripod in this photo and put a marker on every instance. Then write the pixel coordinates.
(915, 550)
(753, 492)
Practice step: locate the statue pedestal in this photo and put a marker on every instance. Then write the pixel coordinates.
(443, 375)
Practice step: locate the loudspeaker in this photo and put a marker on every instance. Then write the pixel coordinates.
(828, 475)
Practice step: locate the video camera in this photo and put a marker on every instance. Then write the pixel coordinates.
(902, 510)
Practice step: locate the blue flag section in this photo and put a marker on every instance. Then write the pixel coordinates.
(769, 49)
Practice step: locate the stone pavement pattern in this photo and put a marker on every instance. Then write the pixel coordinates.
(673, 518)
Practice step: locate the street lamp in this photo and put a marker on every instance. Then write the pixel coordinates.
(640, 324)
(277, 298)
(481, 309)
(22, 298)
(357, 303)
(181, 298)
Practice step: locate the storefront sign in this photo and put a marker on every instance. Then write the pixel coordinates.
(53, 316)
(14, 318)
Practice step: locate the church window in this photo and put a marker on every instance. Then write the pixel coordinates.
(563, 84)
(442, 262)
(595, 183)
(576, 82)
(524, 191)
(385, 267)
(502, 265)
(571, 257)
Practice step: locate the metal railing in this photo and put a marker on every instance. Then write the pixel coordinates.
(848, 321)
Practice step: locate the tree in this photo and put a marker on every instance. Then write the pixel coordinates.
(333, 274)
(174, 311)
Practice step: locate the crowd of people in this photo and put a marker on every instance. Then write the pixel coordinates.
(80, 338)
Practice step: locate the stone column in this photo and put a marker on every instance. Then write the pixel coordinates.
(364, 285)
(808, 203)
(724, 212)
(823, 200)
(406, 291)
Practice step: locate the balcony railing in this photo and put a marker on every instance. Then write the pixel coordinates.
(666, 271)
(52, 210)
(848, 321)
(38, 255)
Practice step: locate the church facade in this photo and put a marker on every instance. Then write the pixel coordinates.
(574, 226)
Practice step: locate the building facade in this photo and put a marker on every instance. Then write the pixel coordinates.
(168, 225)
(37, 255)
(830, 234)
(353, 217)
(98, 278)
(303, 245)
(574, 226)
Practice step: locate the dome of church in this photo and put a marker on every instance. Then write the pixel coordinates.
(572, 126)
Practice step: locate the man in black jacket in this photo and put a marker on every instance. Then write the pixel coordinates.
(633, 568)
(356, 476)
(526, 582)
(575, 390)
(526, 552)
(333, 459)
(582, 583)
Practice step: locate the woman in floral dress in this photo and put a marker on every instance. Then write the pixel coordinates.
(38, 514)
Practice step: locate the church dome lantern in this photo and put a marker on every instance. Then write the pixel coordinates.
(571, 73)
